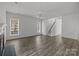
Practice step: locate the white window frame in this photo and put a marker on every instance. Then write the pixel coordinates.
(11, 27)
(38, 27)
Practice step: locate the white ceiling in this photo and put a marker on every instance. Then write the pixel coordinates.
(47, 9)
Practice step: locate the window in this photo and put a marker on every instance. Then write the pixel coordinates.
(14, 26)
(38, 27)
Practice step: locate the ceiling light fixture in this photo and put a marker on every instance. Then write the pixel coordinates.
(16, 2)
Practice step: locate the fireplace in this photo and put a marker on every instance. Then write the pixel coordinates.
(2, 38)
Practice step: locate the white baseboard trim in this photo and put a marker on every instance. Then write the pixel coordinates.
(69, 38)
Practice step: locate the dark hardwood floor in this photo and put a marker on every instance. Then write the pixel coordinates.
(45, 46)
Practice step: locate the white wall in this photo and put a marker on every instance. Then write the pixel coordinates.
(2, 15)
(28, 25)
(58, 26)
(44, 27)
(71, 25)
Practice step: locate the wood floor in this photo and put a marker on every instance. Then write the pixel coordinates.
(45, 46)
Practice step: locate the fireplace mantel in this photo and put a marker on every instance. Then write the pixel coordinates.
(2, 27)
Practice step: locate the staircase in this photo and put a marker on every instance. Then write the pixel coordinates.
(49, 31)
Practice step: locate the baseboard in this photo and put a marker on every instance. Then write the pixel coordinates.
(44, 35)
(23, 37)
(31, 36)
(69, 38)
